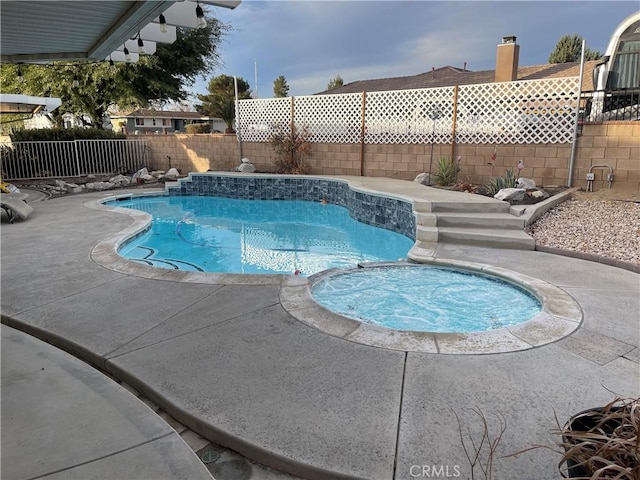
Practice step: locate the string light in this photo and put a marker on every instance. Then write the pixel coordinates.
(140, 45)
(112, 65)
(20, 77)
(127, 55)
(75, 83)
(163, 24)
(201, 22)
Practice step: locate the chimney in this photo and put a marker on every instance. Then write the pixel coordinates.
(507, 60)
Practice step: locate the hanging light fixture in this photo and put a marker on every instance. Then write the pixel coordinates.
(19, 75)
(75, 83)
(201, 22)
(163, 24)
(127, 55)
(112, 65)
(140, 45)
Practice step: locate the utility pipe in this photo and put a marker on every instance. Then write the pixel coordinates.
(577, 115)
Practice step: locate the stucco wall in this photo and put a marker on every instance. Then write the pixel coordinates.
(613, 143)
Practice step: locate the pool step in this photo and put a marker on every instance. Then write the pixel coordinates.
(489, 223)
(470, 220)
(484, 237)
(479, 205)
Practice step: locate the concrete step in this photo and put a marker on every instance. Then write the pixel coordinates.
(481, 237)
(479, 220)
(482, 205)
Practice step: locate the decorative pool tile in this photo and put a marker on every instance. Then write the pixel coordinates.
(384, 212)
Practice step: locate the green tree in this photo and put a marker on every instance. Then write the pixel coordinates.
(280, 87)
(220, 101)
(569, 49)
(161, 77)
(335, 83)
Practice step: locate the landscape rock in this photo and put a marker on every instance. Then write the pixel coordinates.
(120, 180)
(140, 173)
(423, 178)
(526, 183)
(538, 194)
(247, 168)
(173, 172)
(99, 186)
(515, 194)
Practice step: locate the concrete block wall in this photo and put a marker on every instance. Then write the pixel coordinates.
(613, 143)
(616, 144)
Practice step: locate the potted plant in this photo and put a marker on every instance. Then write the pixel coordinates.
(603, 443)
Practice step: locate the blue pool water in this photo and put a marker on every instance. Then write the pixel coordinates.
(214, 234)
(426, 299)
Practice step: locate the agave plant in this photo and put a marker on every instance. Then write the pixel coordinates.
(446, 172)
(498, 183)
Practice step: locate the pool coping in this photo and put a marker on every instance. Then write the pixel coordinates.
(560, 316)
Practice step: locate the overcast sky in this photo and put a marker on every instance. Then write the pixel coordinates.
(310, 42)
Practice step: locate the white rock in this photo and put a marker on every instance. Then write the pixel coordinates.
(173, 172)
(148, 178)
(423, 178)
(120, 180)
(157, 173)
(247, 168)
(140, 173)
(510, 194)
(526, 183)
(99, 186)
(245, 160)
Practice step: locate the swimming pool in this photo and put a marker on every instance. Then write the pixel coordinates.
(232, 235)
(426, 299)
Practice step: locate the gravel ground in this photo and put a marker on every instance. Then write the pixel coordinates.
(606, 225)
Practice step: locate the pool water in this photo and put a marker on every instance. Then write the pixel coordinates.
(215, 234)
(426, 299)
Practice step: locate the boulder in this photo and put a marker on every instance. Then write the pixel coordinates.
(120, 180)
(245, 160)
(247, 167)
(515, 194)
(140, 173)
(173, 172)
(99, 186)
(423, 179)
(538, 194)
(526, 183)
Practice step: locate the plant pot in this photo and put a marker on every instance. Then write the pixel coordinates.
(586, 421)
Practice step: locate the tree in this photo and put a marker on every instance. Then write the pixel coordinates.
(569, 49)
(335, 83)
(220, 101)
(280, 87)
(161, 77)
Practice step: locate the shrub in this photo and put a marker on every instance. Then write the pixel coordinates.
(446, 172)
(498, 183)
(291, 147)
(193, 128)
(64, 134)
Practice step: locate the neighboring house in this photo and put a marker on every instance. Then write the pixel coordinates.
(507, 70)
(157, 121)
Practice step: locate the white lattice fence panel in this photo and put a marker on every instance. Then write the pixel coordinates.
(330, 118)
(258, 119)
(533, 111)
(409, 116)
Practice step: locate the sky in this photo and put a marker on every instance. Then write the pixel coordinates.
(311, 42)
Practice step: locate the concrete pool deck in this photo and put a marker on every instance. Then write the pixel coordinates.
(229, 362)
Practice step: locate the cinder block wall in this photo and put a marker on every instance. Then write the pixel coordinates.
(614, 143)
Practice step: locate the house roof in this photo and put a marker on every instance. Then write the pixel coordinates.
(449, 76)
(150, 113)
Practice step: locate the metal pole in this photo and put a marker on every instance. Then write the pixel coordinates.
(433, 137)
(235, 87)
(577, 115)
